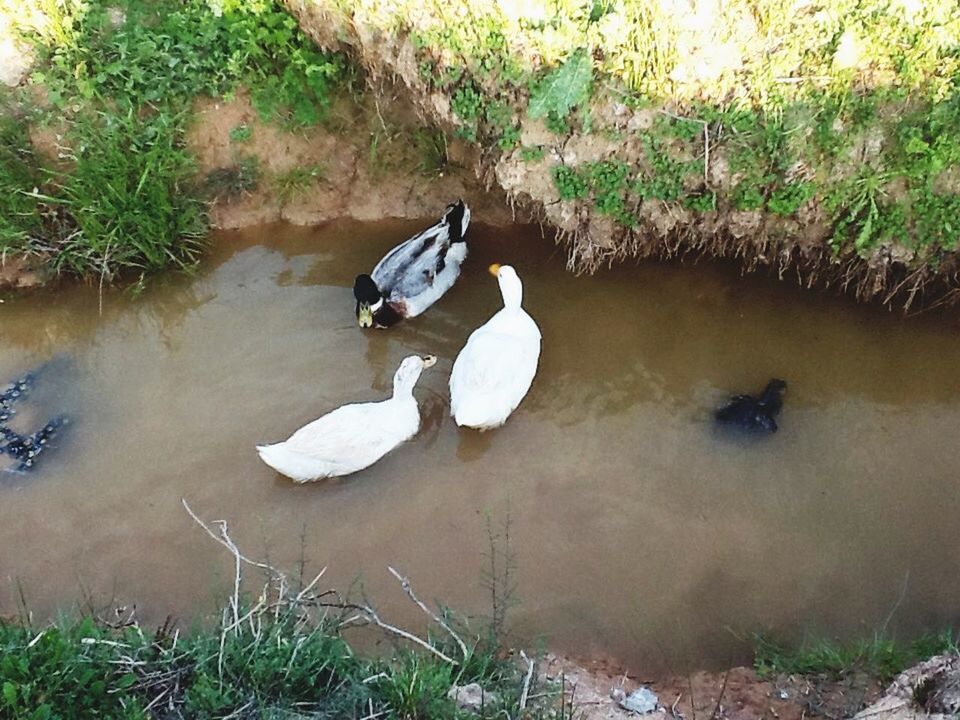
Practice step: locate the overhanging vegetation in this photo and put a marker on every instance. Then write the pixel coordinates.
(768, 129)
(115, 82)
(817, 136)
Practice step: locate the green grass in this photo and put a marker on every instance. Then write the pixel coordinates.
(430, 146)
(120, 79)
(166, 52)
(19, 175)
(241, 133)
(852, 108)
(286, 659)
(790, 99)
(233, 181)
(130, 197)
(126, 205)
(879, 656)
(296, 180)
(279, 654)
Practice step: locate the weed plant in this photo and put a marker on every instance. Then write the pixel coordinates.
(879, 656)
(119, 80)
(791, 97)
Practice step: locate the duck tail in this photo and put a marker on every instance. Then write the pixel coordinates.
(286, 462)
(477, 415)
(457, 218)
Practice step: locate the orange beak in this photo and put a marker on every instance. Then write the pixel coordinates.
(494, 269)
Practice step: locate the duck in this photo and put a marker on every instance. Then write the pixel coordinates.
(416, 273)
(494, 370)
(754, 413)
(354, 436)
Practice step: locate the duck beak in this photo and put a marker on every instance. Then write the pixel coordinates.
(494, 269)
(429, 360)
(365, 316)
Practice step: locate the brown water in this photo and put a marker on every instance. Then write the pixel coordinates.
(639, 531)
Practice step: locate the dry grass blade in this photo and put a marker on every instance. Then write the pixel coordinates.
(525, 693)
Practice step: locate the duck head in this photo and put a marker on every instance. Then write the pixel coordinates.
(772, 392)
(510, 286)
(775, 386)
(772, 398)
(457, 216)
(409, 372)
(369, 299)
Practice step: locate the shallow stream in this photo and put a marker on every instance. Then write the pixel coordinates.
(638, 531)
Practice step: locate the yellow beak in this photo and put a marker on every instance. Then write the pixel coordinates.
(494, 269)
(365, 317)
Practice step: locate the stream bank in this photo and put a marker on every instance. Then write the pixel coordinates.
(849, 186)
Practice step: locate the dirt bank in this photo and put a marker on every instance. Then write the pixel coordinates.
(581, 177)
(373, 159)
(735, 694)
(351, 167)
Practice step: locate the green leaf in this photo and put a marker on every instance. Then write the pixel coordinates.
(564, 88)
(10, 694)
(866, 231)
(126, 681)
(916, 146)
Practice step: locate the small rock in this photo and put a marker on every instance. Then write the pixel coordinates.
(116, 16)
(472, 697)
(15, 59)
(641, 701)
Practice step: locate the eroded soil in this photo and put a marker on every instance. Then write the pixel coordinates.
(734, 694)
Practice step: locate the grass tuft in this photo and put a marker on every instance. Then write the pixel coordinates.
(879, 656)
(120, 77)
(234, 181)
(296, 180)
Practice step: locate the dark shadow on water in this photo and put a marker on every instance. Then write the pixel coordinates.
(472, 444)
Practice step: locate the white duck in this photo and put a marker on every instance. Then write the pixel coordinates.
(416, 273)
(353, 436)
(493, 372)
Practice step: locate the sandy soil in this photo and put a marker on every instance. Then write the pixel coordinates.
(367, 172)
(734, 694)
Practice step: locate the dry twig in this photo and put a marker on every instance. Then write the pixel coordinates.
(367, 614)
(526, 683)
(405, 584)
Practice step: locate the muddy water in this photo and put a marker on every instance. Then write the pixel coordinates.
(638, 531)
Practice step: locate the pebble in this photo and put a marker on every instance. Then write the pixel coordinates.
(472, 698)
(641, 701)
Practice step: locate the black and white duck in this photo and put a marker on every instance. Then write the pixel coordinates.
(754, 413)
(416, 273)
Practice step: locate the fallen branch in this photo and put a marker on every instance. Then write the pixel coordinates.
(369, 615)
(227, 543)
(365, 612)
(405, 584)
